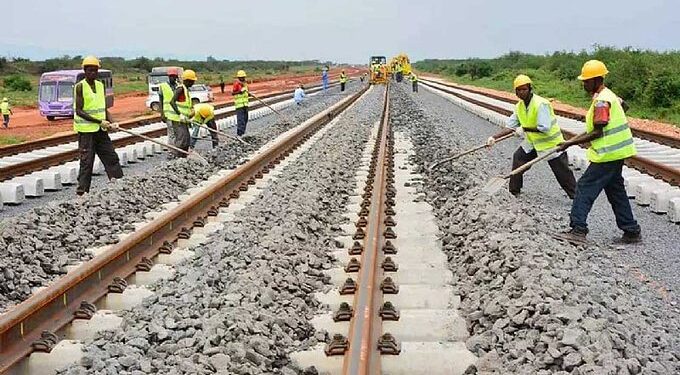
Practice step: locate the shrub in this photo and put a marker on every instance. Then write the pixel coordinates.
(17, 83)
(662, 90)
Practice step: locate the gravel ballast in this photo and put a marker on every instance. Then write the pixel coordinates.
(36, 245)
(535, 305)
(243, 303)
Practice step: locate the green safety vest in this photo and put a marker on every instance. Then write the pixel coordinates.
(616, 142)
(168, 93)
(4, 108)
(94, 104)
(528, 119)
(343, 78)
(241, 100)
(197, 115)
(414, 78)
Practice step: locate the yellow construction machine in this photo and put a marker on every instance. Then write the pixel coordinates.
(378, 70)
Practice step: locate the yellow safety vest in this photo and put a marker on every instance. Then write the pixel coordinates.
(241, 100)
(528, 119)
(616, 142)
(414, 78)
(94, 104)
(197, 116)
(343, 78)
(4, 108)
(168, 93)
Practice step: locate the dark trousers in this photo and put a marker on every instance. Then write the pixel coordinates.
(222, 87)
(415, 86)
(342, 86)
(241, 120)
(607, 177)
(5, 121)
(182, 138)
(100, 144)
(558, 165)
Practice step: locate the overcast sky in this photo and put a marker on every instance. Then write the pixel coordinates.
(338, 30)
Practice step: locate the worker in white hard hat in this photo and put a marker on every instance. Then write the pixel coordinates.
(534, 120)
(240, 92)
(91, 121)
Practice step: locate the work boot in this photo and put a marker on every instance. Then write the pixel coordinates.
(574, 236)
(629, 238)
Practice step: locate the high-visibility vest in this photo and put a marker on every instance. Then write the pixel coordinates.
(168, 93)
(241, 100)
(4, 108)
(616, 142)
(414, 78)
(528, 119)
(343, 78)
(186, 105)
(197, 114)
(94, 104)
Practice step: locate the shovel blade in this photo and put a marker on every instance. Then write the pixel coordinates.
(493, 185)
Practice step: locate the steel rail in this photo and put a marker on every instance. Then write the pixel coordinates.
(50, 309)
(641, 163)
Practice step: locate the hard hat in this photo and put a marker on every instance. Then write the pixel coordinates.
(241, 74)
(5, 99)
(206, 111)
(189, 75)
(592, 69)
(521, 80)
(92, 61)
(173, 71)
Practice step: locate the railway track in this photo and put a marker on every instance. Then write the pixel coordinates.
(34, 325)
(653, 177)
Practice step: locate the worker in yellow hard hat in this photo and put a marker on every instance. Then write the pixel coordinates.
(92, 120)
(6, 110)
(535, 122)
(240, 92)
(611, 143)
(204, 114)
(182, 111)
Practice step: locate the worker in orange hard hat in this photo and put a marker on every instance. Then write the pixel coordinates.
(535, 122)
(611, 143)
(240, 92)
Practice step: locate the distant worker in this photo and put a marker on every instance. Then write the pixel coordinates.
(222, 83)
(414, 82)
(534, 120)
(181, 112)
(91, 121)
(204, 114)
(299, 94)
(324, 78)
(240, 92)
(343, 80)
(611, 143)
(165, 93)
(6, 111)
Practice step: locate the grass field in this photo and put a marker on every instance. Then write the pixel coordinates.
(11, 139)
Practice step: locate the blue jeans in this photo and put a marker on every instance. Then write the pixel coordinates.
(241, 120)
(607, 177)
(325, 83)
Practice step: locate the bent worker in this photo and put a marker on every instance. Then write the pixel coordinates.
(166, 92)
(414, 82)
(343, 80)
(91, 121)
(299, 94)
(240, 92)
(534, 120)
(181, 112)
(6, 110)
(611, 143)
(204, 114)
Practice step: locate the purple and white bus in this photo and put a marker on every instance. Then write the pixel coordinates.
(55, 93)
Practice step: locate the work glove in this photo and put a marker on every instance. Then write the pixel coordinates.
(519, 131)
(114, 125)
(105, 125)
(490, 142)
(183, 118)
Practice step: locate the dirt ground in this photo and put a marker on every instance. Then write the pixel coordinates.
(27, 122)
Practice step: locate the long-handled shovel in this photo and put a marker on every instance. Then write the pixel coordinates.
(220, 133)
(161, 143)
(496, 183)
(284, 117)
(469, 151)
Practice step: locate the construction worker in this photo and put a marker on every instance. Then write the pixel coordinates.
(324, 78)
(611, 143)
(534, 120)
(204, 114)
(222, 83)
(6, 110)
(181, 111)
(166, 91)
(299, 94)
(91, 121)
(414, 82)
(240, 92)
(343, 80)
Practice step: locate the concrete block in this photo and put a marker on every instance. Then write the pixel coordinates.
(643, 192)
(632, 184)
(33, 186)
(674, 210)
(149, 148)
(122, 157)
(660, 200)
(133, 154)
(68, 174)
(98, 167)
(51, 179)
(12, 193)
(141, 150)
